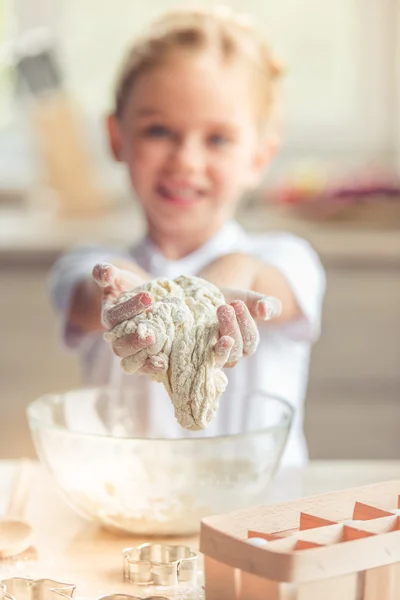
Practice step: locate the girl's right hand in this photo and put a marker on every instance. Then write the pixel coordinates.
(113, 281)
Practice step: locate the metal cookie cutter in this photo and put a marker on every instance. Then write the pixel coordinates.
(159, 564)
(20, 588)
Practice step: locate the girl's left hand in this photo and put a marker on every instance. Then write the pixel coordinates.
(239, 335)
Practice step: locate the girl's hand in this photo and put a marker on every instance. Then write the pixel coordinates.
(238, 328)
(237, 318)
(114, 281)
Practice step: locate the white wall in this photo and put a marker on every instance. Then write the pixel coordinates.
(338, 94)
(341, 104)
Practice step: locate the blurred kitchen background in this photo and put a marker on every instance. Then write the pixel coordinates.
(335, 182)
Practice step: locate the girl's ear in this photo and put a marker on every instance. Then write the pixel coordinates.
(114, 137)
(264, 155)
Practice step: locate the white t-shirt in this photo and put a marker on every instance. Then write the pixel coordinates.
(280, 365)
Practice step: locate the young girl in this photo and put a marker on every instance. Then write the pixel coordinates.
(192, 123)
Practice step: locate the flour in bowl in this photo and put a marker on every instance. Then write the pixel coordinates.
(183, 318)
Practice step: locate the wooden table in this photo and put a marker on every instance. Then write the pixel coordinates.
(71, 550)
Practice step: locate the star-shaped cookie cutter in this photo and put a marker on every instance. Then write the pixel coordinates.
(21, 588)
(159, 564)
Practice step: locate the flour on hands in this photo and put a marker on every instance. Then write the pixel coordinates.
(183, 320)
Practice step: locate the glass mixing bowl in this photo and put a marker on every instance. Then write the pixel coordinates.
(93, 445)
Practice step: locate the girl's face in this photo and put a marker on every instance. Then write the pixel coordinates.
(189, 138)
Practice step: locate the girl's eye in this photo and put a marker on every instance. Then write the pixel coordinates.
(157, 131)
(218, 140)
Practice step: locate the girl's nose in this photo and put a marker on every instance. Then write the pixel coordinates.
(187, 156)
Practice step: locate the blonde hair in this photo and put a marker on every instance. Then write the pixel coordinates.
(225, 33)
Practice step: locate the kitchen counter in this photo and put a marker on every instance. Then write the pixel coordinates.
(74, 551)
(28, 236)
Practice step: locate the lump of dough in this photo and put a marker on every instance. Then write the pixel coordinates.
(184, 320)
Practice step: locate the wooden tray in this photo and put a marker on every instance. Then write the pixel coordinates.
(339, 546)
